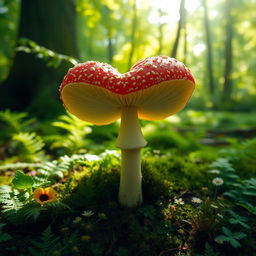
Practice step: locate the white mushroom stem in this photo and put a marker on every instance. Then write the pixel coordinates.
(130, 140)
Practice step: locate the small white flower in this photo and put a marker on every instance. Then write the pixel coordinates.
(214, 171)
(179, 201)
(217, 181)
(196, 200)
(87, 213)
(91, 157)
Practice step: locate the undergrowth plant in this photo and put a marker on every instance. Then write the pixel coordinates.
(72, 135)
(15, 122)
(243, 194)
(28, 147)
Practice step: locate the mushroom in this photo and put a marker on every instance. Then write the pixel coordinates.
(153, 89)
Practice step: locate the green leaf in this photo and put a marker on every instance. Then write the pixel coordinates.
(3, 236)
(239, 235)
(235, 243)
(227, 232)
(22, 181)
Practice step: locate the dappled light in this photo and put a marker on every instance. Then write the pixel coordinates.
(127, 128)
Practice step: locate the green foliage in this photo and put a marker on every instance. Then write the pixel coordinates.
(170, 140)
(230, 237)
(9, 15)
(20, 166)
(92, 187)
(249, 207)
(238, 219)
(12, 202)
(46, 245)
(13, 122)
(29, 146)
(74, 132)
(51, 58)
(16, 122)
(227, 172)
(22, 181)
(243, 192)
(58, 168)
(208, 251)
(3, 236)
(242, 156)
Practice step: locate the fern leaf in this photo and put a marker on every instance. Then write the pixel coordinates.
(31, 146)
(45, 245)
(15, 121)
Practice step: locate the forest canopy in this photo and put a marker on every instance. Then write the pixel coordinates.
(216, 39)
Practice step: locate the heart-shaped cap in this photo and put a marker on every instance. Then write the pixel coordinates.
(157, 86)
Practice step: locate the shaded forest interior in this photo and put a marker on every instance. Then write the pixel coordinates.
(42, 39)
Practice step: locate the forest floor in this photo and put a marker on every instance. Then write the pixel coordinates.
(199, 187)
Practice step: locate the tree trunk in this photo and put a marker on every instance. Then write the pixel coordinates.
(185, 38)
(133, 34)
(227, 86)
(108, 25)
(160, 33)
(209, 49)
(180, 25)
(31, 83)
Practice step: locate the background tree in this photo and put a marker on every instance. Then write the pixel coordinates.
(209, 49)
(178, 33)
(227, 86)
(133, 33)
(160, 31)
(30, 82)
(185, 32)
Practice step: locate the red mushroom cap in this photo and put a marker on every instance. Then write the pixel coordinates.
(157, 86)
(144, 74)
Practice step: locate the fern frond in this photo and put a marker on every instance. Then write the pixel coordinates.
(12, 203)
(9, 199)
(58, 168)
(30, 145)
(16, 122)
(53, 59)
(20, 166)
(33, 212)
(45, 245)
(75, 131)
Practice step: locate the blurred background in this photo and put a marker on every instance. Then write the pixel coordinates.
(41, 39)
